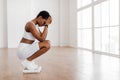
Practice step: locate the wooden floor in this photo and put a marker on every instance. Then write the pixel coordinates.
(62, 63)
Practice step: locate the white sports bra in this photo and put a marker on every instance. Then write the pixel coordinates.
(28, 35)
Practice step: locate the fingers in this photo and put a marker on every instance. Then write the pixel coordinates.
(49, 20)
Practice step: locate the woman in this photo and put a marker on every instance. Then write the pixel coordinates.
(28, 49)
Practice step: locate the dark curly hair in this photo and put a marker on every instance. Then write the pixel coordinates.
(43, 14)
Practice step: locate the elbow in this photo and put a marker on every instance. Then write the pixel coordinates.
(42, 39)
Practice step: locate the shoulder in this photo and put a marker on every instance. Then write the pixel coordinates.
(29, 25)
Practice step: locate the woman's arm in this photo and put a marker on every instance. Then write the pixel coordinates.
(38, 35)
(45, 31)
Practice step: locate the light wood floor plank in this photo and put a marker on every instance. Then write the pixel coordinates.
(62, 63)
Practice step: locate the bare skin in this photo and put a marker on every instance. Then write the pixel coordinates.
(44, 44)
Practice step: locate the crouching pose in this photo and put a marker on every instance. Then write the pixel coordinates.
(28, 48)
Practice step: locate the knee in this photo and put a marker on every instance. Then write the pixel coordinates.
(48, 45)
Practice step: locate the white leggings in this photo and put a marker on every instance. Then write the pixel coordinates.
(26, 50)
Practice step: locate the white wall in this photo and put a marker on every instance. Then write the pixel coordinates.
(21, 11)
(18, 13)
(64, 23)
(62, 31)
(3, 23)
(73, 23)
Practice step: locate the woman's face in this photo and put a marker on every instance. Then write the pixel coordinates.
(42, 22)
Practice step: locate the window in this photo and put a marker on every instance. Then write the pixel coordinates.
(84, 30)
(98, 25)
(82, 3)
